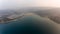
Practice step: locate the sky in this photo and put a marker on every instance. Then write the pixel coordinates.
(15, 4)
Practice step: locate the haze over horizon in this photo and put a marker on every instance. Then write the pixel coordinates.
(16, 4)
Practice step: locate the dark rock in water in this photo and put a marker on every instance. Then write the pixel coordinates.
(29, 24)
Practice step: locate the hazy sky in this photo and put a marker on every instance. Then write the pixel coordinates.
(12, 4)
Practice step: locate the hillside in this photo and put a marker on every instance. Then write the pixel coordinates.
(51, 13)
